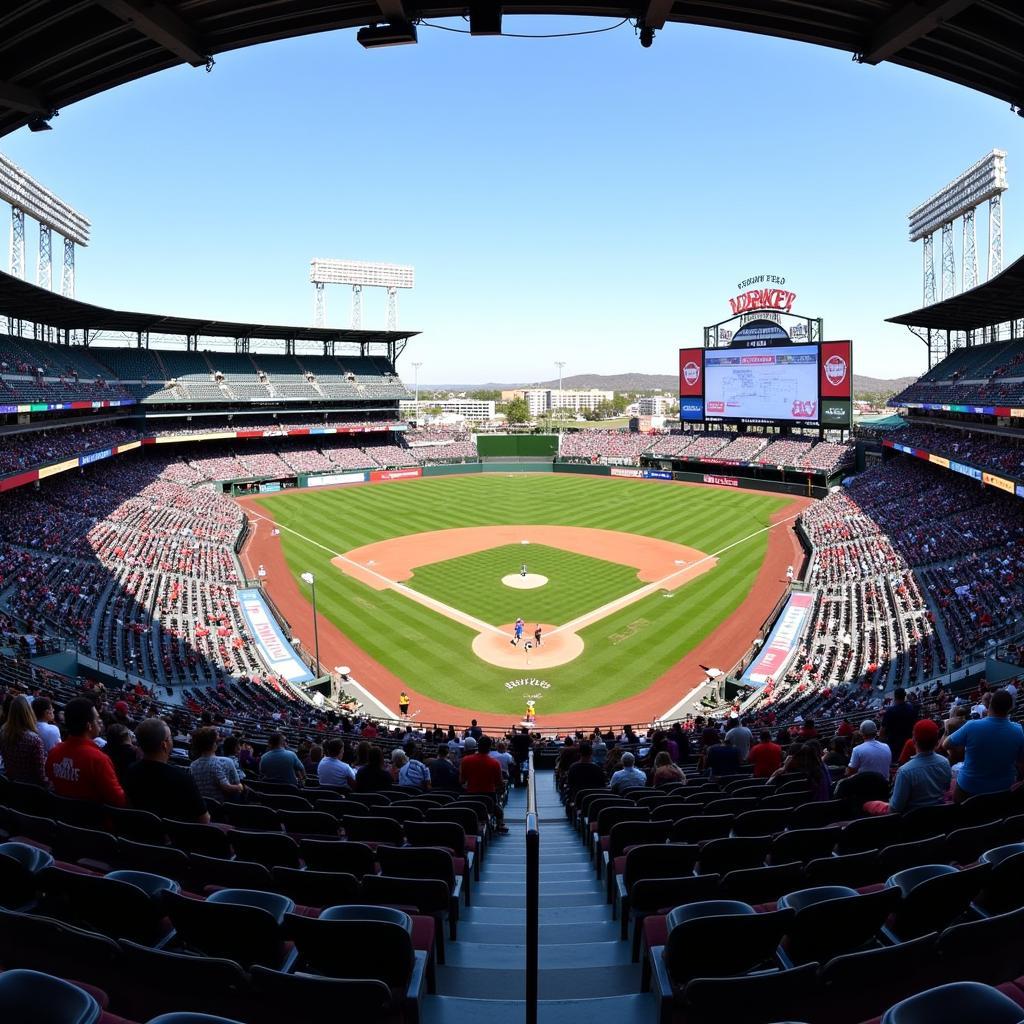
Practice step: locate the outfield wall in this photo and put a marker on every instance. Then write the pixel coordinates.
(517, 446)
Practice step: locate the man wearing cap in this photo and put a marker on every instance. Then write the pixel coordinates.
(871, 755)
(923, 781)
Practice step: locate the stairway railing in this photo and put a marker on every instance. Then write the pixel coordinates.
(532, 894)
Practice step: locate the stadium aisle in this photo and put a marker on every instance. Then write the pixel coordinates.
(581, 958)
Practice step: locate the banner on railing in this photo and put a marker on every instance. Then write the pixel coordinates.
(774, 657)
(274, 650)
(330, 479)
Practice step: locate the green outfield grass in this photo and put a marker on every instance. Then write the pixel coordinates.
(576, 584)
(624, 652)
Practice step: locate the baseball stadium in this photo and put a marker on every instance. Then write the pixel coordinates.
(314, 705)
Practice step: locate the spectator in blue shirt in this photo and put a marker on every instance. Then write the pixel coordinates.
(993, 750)
(924, 780)
(279, 764)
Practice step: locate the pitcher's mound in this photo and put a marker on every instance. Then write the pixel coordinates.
(530, 581)
(557, 649)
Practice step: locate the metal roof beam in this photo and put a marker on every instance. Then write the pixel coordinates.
(163, 26)
(906, 25)
(393, 10)
(656, 13)
(17, 97)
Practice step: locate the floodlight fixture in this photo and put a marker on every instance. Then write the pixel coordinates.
(646, 36)
(484, 18)
(395, 33)
(20, 190)
(40, 124)
(979, 183)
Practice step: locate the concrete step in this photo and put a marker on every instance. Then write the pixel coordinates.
(548, 887)
(515, 914)
(564, 870)
(550, 934)
(498, 983)
(630, 1009)
(484, 898)
(556, 957)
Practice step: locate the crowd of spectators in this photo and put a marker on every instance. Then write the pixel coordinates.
(997, 453)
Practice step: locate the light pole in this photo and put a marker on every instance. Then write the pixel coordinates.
(416, 370)
(308, 577)
(560, 363)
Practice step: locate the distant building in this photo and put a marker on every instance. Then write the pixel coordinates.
(474, 409)
(541, 401)
(653, 405)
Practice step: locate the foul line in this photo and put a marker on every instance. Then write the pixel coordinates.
(452, 613)
(588, 618)
(627, 599)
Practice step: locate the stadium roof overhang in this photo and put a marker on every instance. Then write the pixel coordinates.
(56, 52)
(998, 301)
(20, 300)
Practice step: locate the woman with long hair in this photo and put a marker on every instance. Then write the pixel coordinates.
(805, 758)
(21, 746)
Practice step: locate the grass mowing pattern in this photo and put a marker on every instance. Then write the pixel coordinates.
(576, 584)
(624, 653)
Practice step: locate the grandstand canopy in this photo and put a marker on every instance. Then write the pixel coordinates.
(998, 301)
(56, 52)
(20, 300)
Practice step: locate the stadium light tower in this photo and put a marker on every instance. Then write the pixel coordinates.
(360, 275)
(308, 577)
(416, 385)
(28, 198)
(984, 181)
(560, 363)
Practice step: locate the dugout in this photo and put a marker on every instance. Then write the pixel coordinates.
(516, 447)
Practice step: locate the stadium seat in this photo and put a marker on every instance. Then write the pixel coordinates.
(331, 855)
(43, 999)
(803, 844)
(955, 1003)
(19, 866)
(248, 933)
(831, 920)
(933, 896)
(720, 938)
(762, 884)
(316, 888)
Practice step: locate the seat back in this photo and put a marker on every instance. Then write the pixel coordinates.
(852, 869)
(231, 874)
(762, 884)
(988, 951)
(427, 895)
(247, 935)
(708, 947)
(658, 860)
(816, 814)
(252, 816)
(823, 930)
(720, 856)
(332, 855)
(911, 855)
(870, 833)
(316, 888)
(194, 837)
(803, 844)
(376, 950)
(633, 833)
(162, 981)
(610, 816)
(141, 826)
(274, 849)
(703, 827)
(650, 895)
(447, 834)
(417, 862)
(759, 822)
(374, 830)
(309, 823)
(43, 999)
(279, 994)
(937, 902)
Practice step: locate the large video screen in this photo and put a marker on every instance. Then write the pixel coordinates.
(771, 384)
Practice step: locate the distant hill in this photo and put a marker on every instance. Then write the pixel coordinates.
(655, 382)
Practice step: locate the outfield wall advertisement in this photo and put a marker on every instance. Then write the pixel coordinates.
(276, 652)
(330, 479)
(781, 646)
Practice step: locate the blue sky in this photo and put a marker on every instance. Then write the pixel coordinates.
(580, 199)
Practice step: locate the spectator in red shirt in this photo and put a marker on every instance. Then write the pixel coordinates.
(77, 767)
(766, 757)
(481, 773)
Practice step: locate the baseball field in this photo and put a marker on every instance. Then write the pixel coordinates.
(624, 577)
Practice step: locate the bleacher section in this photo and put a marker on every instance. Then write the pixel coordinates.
(985, 375)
